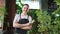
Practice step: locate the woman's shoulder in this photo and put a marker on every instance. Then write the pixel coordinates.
(16, 15)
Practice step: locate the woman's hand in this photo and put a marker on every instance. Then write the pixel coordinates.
(24, 25)
(28, 26)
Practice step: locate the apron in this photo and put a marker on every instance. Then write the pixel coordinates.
(22, 21)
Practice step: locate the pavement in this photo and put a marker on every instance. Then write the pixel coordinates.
(1, 31)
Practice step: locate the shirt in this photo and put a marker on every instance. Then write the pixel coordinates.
(17, 17)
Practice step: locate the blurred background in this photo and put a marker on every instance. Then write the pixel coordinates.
(46, 14)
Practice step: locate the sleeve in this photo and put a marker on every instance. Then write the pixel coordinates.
(15, 18)
(30, 19)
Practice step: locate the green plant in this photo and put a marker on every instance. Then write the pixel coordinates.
(44, 21)
(2, 12)
(46, 24)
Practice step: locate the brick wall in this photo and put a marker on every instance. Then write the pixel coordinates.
(2, 3)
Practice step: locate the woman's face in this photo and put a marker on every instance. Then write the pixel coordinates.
(25, 8)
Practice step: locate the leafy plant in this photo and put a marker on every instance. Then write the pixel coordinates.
(47, 25)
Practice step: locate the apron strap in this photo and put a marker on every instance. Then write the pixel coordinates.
(28, 17)
(20, 16)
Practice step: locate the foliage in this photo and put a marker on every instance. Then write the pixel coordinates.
(18, 9)
(44, 21)
(57, 1)
(34, 17)
(18, 6)
(47, 24)
(2, 12)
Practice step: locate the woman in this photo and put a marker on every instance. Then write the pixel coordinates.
(22, 22)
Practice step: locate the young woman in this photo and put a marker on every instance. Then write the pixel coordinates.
(22, 22)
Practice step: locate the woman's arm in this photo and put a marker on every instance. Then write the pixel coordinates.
(27, 27)
(17, 25)
(29, 24)
(22, 26)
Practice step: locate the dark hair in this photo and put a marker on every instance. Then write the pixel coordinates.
(26, 5)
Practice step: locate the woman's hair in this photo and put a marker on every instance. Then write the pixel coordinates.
(26, 5)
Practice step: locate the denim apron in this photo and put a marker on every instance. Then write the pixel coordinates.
(22, 21)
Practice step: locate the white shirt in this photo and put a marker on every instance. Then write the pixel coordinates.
(17, 17)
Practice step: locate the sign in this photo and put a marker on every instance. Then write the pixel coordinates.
(33, 4)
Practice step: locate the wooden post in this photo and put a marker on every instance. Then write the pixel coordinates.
(8, 20)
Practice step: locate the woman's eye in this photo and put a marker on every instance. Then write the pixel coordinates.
(25, 8)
